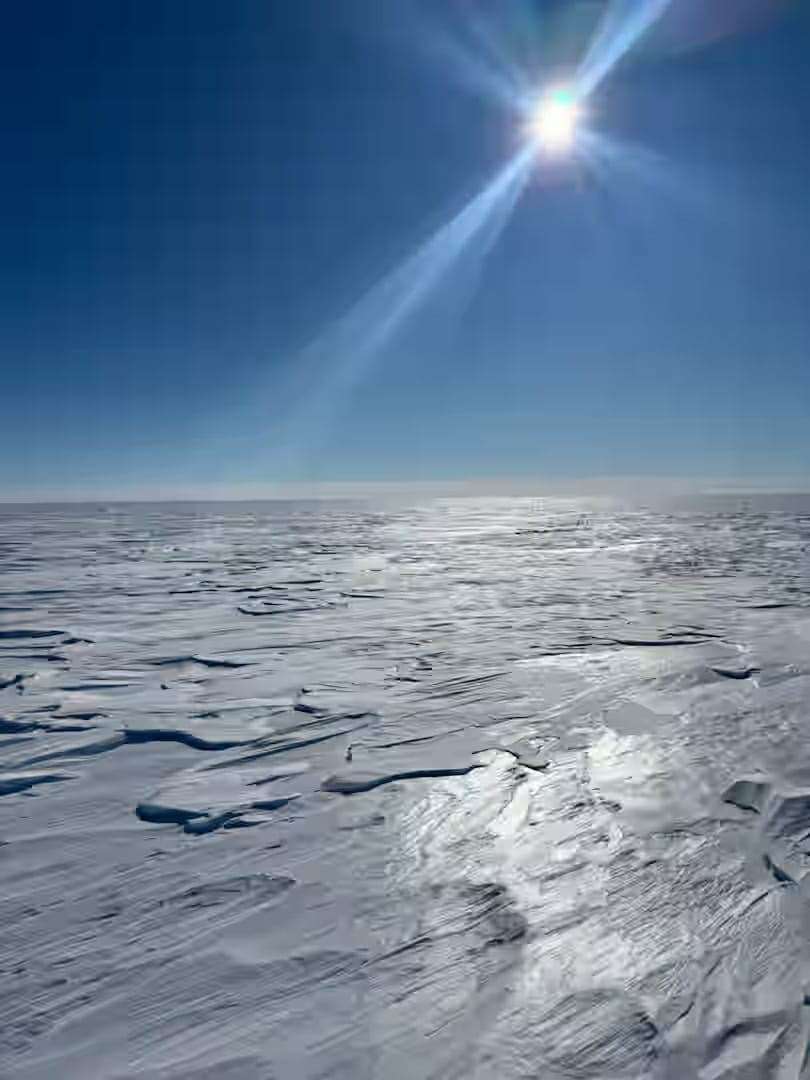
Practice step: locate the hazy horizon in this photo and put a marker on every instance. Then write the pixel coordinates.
(619, 487)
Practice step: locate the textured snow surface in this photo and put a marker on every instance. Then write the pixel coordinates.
(465, 789)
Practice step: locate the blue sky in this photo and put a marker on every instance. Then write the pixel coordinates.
(194, 195)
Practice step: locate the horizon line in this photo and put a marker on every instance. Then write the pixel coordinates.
(570, 487)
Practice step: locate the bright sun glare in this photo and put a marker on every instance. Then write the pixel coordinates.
(554, 120)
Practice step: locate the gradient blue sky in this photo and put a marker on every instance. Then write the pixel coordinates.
(192, 192)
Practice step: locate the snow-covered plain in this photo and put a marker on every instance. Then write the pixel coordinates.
(467, 789)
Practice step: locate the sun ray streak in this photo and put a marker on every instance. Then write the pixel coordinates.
(473, 73)
(624, 24)
(338, 360)
(472, 57)
(636, 168)
(485, 35)
(374, 320)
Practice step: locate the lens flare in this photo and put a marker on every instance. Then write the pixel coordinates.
(624, 24)
(329, 372)
(554, 121)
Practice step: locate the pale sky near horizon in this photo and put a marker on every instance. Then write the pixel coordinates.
(194, 193)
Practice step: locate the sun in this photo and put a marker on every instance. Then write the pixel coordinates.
(554, 121)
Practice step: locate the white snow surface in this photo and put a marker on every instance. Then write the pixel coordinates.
(475, 788)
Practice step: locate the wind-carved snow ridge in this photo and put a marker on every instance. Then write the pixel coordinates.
(465, 789)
